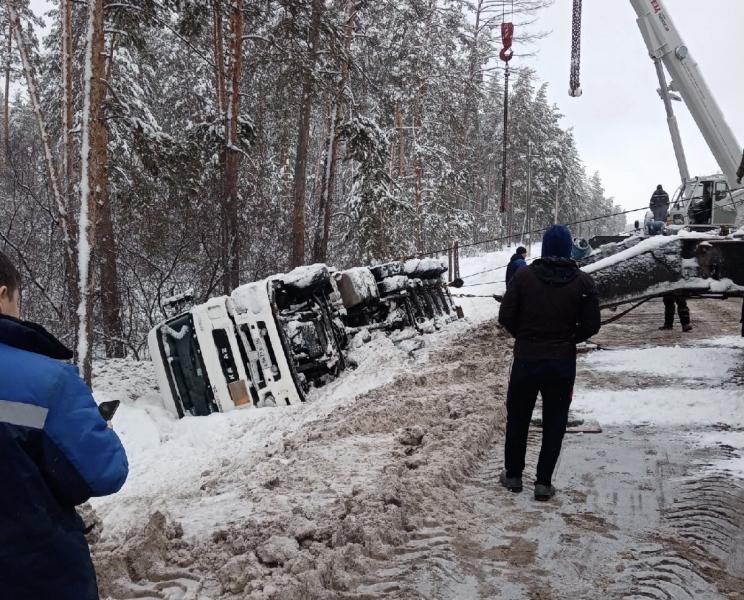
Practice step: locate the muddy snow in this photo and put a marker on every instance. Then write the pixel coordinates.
(384, 485)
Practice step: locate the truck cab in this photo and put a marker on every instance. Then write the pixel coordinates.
(705, 203)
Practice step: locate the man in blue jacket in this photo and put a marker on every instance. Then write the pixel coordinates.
(56, 451)
(516, 262)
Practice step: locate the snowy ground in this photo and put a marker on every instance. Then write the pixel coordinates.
(286, 502)
(483, 276)
(384, 485)
(653, 507)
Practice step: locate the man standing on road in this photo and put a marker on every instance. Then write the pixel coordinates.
(549, 307)
(670, 300)
(516, 262)
(56, 451)
(659, 204)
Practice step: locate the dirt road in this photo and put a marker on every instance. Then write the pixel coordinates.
(639, 514)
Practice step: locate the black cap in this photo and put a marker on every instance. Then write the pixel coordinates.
(521, 250)
(658, 187)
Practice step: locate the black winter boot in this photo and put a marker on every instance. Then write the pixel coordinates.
(544, 492)
(513, 484)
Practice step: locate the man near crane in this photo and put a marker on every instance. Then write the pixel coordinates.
(740, 170)
(549, 307)
(659, 204)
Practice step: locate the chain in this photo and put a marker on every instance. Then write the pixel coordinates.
(575, 85)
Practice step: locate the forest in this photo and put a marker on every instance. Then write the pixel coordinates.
(155, 146)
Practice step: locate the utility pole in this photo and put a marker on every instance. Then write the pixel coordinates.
(529, 195)
(510, 222)
(555, 215)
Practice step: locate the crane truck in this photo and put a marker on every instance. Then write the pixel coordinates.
(699, 201)
(704, 258)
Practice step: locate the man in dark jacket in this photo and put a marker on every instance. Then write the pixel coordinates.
(740, 170)
(516, 262)
(549, 307)
(670, 301)
(659, 204)
(57, 452)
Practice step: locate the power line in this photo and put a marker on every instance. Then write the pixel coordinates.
(543, 229)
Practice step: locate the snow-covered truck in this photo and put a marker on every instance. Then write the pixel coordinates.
(270, 340)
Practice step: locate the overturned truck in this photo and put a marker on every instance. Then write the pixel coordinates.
(270, 341)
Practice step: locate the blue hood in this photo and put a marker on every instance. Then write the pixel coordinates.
(557, 242)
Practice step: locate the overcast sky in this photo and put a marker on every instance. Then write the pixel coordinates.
(619, 122)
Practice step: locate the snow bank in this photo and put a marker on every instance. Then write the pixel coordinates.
(670, 406)
(710, 363)
(728, 341)
(297, 502)
(170, 459)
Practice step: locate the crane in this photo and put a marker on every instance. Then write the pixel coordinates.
(699, 201)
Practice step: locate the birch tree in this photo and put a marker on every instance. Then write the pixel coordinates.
(92, 176)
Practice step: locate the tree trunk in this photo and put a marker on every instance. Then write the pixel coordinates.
(322, 233)
(59, 205)
(231, 278)
(401, 142)
(92, 176)
(298, 194)
(6, 111)
(67, 113)
(221, 94)
(113, 333)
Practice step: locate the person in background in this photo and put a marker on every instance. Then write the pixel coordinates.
(740, 170)
(516, 262)
(659, 204)
(670, 300)
(549, 307)
(57, 452)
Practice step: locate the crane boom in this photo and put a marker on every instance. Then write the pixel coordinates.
(664, 43)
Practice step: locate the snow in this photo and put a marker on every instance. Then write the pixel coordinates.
(485, 275)
(357, 285)
(303, 277)
(651, 243)
(663, 406)
(728, 341)
(172, 460)
(415, 267)
(675, 362)
(393, 284)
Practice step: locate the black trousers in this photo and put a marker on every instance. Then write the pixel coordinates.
(554, 380)
(682, 310)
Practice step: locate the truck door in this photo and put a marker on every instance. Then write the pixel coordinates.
(724, 210)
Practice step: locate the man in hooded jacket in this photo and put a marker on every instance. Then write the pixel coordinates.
(549, 307)
(516, 262)
(57, 452)
(659, 204)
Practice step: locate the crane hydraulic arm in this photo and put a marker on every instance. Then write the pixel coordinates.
(665, 44)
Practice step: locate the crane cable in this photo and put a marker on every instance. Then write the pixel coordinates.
(574, 89)
(506, 54)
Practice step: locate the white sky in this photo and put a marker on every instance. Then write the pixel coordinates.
(619, 122)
